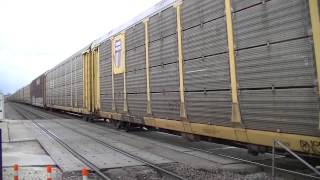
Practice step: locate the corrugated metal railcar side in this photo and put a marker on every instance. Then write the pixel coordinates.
(37, 90)
(233, 69)
(64, 85)
(26, 94)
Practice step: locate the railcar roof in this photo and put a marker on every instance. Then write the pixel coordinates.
(160, 6)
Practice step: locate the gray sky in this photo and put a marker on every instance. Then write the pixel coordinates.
(35, 35)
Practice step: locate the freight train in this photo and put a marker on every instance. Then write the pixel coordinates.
(242, 71)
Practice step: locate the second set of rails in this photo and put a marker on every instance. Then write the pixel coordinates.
(30, 115)
(35, 113)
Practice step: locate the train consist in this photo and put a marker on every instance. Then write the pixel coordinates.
(243, 71)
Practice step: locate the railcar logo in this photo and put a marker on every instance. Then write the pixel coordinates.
(118, 59)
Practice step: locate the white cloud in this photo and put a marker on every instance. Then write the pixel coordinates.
(35, 35)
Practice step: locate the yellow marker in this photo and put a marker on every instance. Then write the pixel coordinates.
(112, 76)
(183, 113)
(85, 81)
(146, 33)
(314, 14)
(315, 22)
(236, 117)
(97, 76)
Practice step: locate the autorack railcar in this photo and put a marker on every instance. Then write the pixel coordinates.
(37, 90)
(238, 70)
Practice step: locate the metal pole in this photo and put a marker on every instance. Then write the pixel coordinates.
(273, 158)
(1, 153)
(1, 106)
(299, 158)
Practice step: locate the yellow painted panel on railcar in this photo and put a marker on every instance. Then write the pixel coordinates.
(300, 143)
(118, 61)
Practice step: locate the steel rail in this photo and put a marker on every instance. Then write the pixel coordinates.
(73, 152)
(250, 162)
(158, 168)
(276, 142)
(255, 163)
(127, 154)
(62, 143)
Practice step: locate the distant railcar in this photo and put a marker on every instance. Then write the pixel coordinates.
(26, 94)
(22, 95)
(64, 85)
(242, 71)
(37, 91)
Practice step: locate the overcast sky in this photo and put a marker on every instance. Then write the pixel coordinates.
(35, 35)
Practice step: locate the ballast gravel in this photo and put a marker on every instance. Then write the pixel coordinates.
(148, 173)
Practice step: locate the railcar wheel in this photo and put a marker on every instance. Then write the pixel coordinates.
(86, 118)
(118, 125)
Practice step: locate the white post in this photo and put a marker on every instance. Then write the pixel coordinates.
(1, 106)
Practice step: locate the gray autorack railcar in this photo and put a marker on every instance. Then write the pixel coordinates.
(238, 70)
(244, 71)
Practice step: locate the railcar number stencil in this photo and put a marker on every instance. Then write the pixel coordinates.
(310, 146)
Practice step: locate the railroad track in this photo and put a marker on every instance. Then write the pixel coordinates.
(253, 162)
(257, 163)
(30, 115)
